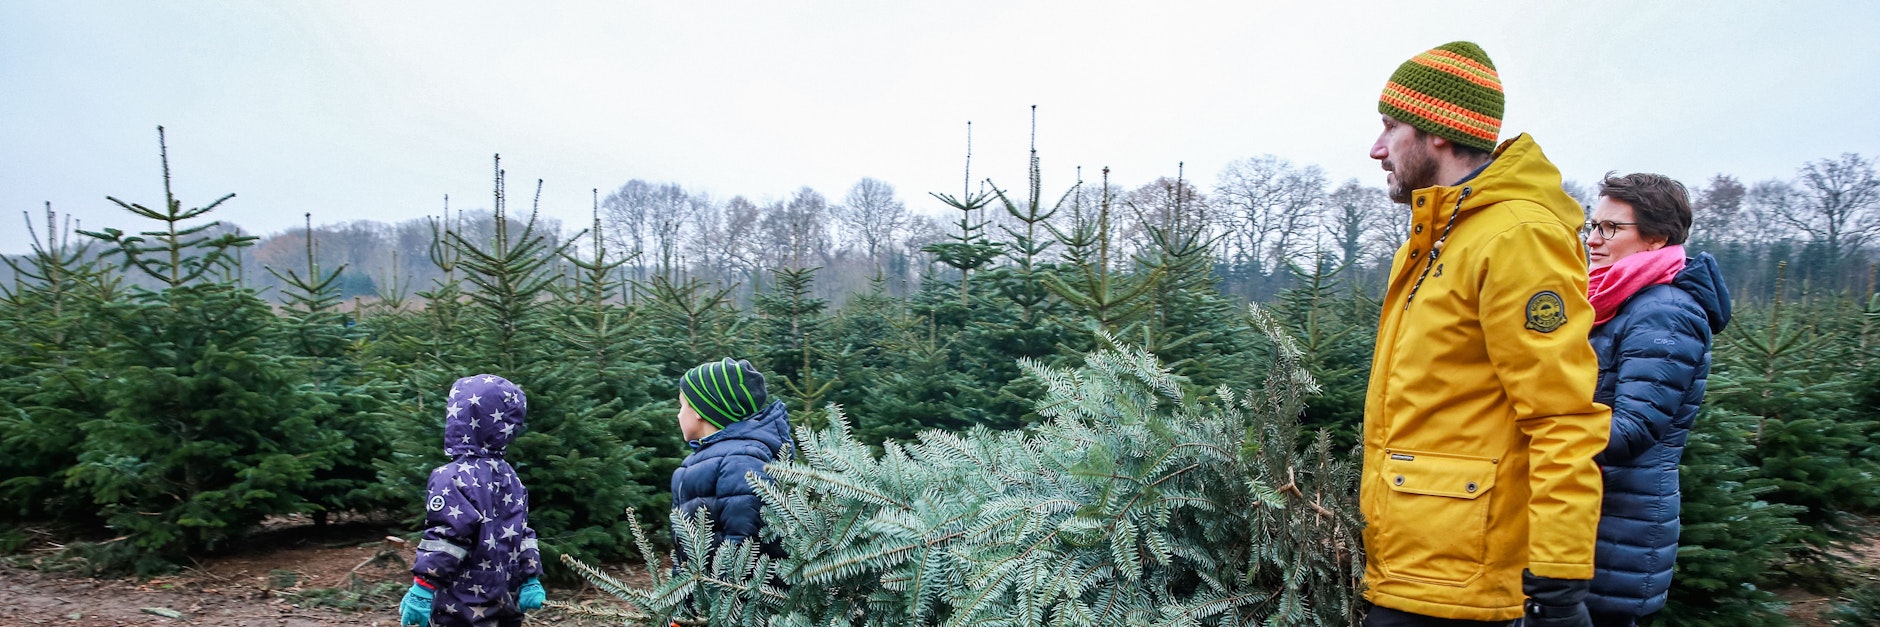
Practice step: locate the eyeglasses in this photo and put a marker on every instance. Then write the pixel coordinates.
(1607, 228)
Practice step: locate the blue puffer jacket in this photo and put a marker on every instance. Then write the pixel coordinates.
(713, 476)
(1654, 357)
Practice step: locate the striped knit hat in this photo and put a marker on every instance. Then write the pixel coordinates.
(724, 392)
(1451, 91)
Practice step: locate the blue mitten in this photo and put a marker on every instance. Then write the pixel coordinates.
(532, 595)
(416, 608)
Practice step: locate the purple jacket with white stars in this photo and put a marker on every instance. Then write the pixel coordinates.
(478, 548)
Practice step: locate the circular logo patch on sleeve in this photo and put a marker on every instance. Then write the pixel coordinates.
(437, 503)
(1546, 312)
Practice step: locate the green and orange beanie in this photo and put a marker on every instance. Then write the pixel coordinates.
(725, 391)
(1450, 91)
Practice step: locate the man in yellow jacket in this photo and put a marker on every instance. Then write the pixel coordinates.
(1479, 425)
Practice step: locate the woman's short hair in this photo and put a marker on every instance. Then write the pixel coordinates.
(1660, 204)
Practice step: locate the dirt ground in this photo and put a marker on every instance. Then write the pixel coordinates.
(293, 576)
(1806, 608)
(349, 574)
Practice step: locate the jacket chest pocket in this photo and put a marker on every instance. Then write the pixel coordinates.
(1434, 526)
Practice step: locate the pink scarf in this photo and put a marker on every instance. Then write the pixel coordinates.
(1610, 286)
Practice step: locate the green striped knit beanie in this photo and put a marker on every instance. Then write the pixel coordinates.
(1450, 91)
(725, 391)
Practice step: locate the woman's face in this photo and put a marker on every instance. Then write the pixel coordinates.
(1625, 241)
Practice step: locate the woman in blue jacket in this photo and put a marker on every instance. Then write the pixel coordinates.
(1655, 312)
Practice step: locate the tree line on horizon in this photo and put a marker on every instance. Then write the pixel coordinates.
(1261, 214)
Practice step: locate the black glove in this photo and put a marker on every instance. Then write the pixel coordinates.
(1555, 602)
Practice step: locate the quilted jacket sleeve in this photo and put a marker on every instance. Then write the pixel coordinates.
(1658, 356)
(1548, 370)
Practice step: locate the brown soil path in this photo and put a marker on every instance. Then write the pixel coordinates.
(294, 577)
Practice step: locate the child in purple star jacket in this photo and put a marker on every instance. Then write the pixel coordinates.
(478, 564)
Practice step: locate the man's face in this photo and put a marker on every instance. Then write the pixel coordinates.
(1407, 156)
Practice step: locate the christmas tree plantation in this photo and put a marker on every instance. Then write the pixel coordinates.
(157, 402)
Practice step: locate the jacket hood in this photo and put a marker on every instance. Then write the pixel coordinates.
(1703, 280)
(1521, 172)
(483, 415)
(770, 426)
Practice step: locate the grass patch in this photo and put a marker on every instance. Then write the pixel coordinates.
(355, 596)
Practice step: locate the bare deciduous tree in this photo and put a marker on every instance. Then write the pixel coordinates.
(798, 229)
(1767, 204)
(626, 213)
(922, 231)
(1268, 206)
(648, 219)
(1837, 203)
(743, 250)
(1717, 214)
(702, 247)
(873, 216)
(668, 211)
(1358, 221)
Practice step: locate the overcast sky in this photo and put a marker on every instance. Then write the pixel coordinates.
(372, 110)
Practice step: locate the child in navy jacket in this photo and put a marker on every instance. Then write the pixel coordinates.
(734, 429)
(478, 564)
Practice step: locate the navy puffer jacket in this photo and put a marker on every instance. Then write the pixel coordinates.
(713, 476)
(1654, 357)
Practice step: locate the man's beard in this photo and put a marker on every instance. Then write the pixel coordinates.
(1415, 170)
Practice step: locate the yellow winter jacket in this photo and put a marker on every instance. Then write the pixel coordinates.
(1479, 425)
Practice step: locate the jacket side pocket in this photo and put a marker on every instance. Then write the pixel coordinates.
(1435, 527)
